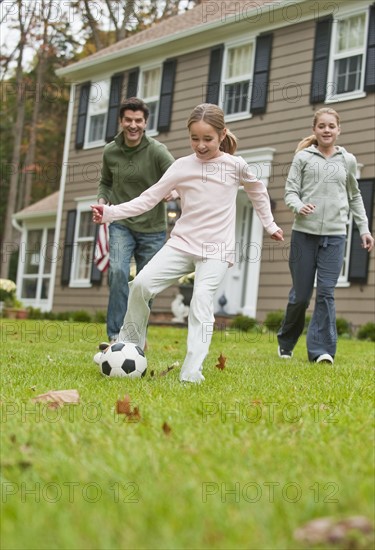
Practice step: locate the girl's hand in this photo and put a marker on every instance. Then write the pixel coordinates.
(367, 242)
(97, 213)
(307, 209)
(278, 235)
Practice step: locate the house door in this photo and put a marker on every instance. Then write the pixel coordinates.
(233, 287)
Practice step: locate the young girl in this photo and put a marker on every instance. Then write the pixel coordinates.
(203, 239)
(320, 189)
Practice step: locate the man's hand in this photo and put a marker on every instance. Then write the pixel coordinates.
(97, 213)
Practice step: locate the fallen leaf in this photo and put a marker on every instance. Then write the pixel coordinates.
(58, 398)
(323, 530)
(221, 363)
(164, 372)
(124, 407)
(166, 428)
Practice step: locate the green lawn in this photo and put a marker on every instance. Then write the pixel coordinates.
(256, 451)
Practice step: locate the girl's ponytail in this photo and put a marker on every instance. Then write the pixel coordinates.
(306, 142)
(229, 143)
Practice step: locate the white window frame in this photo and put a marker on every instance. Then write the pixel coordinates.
(244, 41)
(42, 303)
(98, 93)
(83, 206)
(343, 277)
(151, 99)
(331, 94)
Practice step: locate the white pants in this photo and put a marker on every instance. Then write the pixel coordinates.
(163, 270)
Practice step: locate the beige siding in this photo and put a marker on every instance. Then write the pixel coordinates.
(287, 120)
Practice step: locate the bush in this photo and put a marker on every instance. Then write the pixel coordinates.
(343, 326)
(274, 319)
(367, 332)
(81, 316)
(100, 317)
(243, 322)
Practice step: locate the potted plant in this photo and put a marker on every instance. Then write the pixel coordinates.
(186, 286)
(7, 293)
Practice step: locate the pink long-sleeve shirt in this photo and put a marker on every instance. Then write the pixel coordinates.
(208, 190)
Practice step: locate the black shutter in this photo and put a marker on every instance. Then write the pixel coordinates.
(113, 107)
(359, 257)
(318, 87)
(96, 274)
(82, 114)
(214, 74)
(132, 87)
(261, 74)
(68, 246)
(370, 59)
(166, 95)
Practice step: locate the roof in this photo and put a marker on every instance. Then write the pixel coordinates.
(193, 21)
(44, 207)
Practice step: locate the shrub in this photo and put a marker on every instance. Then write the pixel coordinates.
(81, 316)
(100, 317)
(274, 319)
(367, 332)
(243, 322)
(343, 326)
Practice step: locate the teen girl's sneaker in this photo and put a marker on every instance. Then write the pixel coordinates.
(284, 353)
(324, 358)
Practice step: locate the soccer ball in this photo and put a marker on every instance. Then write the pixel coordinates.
(123, 359)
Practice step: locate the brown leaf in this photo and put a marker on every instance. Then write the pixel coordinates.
(164, 372)
(57, 398)
(124, 407)
(221, 363)
(326, 529)
(166, 428)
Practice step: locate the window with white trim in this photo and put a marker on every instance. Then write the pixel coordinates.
(238, 69)
(84, 243)
(150, 93)
(97, 113)
(348, 56)
(39, 253)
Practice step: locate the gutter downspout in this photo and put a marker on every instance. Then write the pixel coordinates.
(64, 171)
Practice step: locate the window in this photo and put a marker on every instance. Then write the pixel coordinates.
(97, 113)
(348, 56)
(150, 92)
(238, 68)
(37, 258)
(84, 243)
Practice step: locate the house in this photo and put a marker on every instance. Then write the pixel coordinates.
(269, 65)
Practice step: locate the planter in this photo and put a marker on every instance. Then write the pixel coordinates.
(15, 313)
(187, 293)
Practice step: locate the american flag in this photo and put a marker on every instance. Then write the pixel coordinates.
(102, 248)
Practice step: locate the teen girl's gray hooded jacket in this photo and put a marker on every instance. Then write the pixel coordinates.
(331, 185)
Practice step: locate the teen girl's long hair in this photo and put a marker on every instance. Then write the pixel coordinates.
(214, 116)
(311, 140)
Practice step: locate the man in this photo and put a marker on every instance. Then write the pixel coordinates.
(132, 163)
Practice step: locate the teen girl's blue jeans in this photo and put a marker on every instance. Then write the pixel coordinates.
(123, 245)
(310, 256)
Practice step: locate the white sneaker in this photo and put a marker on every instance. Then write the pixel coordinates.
(325, 358)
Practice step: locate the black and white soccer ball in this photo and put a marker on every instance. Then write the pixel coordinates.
(123, 360)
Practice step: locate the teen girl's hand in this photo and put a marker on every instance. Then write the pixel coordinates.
(97, 213)
(278, 235)
(367, 242)
(307, 209)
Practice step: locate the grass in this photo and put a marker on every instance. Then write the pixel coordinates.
(256, 451)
